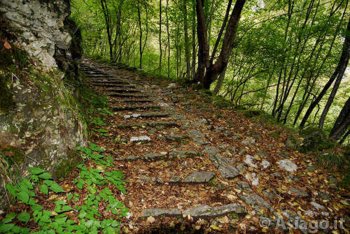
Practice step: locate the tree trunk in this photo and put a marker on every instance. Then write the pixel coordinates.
(187, 42)
(208, 72)
(140, 28)
(203, 51)
(220, 82)
(342, 123)
(168, 34)
(339, 72)
(343, 63)
(160, 37)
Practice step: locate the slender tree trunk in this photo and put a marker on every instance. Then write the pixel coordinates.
(187, 42)
(346, 135)
(342, 123)
(222, 29)
(339, 71)
(193, 72)
(168, 35)
(343, 63)
(160, 37)
(140, 30)
(108, 25)
(220, 82)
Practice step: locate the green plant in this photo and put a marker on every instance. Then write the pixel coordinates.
(94, 184)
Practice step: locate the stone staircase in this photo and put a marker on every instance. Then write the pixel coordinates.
(172, 165)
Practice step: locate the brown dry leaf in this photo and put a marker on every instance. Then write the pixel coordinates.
(7, 45)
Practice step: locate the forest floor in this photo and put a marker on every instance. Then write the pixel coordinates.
(191, 166)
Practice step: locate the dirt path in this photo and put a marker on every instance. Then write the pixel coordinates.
(191, 166)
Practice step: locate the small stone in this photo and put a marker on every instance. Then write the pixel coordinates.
(132, 116)
(140, 139)
(287, 165)
(298, 192)
(252, 177)
(317, 206)
(270, 194)
(255, 200)
(249, 160)
(211, 150)
(248, 141)
(172, 86)
(243, 185)
(151, 219)
(199, 177)
(197, 137)
(265, 164)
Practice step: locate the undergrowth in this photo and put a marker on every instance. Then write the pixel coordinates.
(76, 208)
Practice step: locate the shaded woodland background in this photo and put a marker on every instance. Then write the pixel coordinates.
(285, 58)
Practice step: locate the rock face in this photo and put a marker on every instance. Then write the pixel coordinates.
(40, 121)
(39, 26)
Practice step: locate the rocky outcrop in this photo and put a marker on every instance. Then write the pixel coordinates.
(40, 121)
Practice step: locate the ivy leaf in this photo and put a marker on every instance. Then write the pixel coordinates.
(23, 196)
(66, 209)
(12, 189)
(44, 189)
(36, 170)
(24, 217)
(9, 217)
(80, 184)
(54, 186)
(45, 176)
(5, 228)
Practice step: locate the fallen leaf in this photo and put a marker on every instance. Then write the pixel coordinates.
(7, 45)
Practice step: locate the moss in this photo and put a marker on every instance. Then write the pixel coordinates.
(16, 156)
(6, 99)
(65, 166)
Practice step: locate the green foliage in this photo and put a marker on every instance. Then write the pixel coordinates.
(96, 183)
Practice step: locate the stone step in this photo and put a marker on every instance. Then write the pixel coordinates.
(138, 101)
(149, 124)
(120, 85)
(129, 95)
(110, 84)
(198, 177)
(108, 78)
(122, 90)
(201, 211)
(129, 108)
(224, 166)
(175, 154)
(147, 115)
(95, 74)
